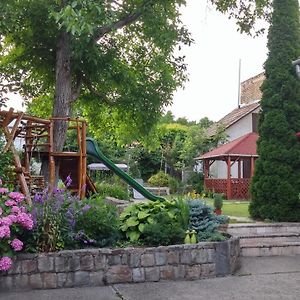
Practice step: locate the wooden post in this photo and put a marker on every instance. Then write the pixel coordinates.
(51, 159)
(239, 169)
(229, 194)
(84, 159)
(252, 167)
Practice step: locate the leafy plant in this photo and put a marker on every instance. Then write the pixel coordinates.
(218, 201)
(164, 231)
(159, 179)
(135, 217)
(6, 164)
(98, 224)
(113, 190)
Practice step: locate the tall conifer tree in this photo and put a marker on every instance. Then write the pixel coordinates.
(276, 182)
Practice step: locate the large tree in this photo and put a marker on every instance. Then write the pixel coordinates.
(276, 183)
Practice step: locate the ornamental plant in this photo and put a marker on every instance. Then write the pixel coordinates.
(14, 221)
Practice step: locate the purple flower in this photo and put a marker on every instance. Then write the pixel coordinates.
(5, 263)
(6, 221)
(18, 197)
(15, 210)
(38, 198)
(10, 203)
(86, 208)
(17, 245)
(68, 181)
(4, 231)
(25, 220)
(3, 190)
(13, 218)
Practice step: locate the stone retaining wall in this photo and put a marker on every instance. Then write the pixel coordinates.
(96, 267)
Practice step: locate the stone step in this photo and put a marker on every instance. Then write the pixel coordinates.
(262, 228)
(282, 249)
(267, 239)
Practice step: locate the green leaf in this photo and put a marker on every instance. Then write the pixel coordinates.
(133, 235)
(143, 215)
(141, 227)
(132, 221)
(150, 220)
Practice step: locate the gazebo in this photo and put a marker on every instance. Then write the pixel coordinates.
(239, 157)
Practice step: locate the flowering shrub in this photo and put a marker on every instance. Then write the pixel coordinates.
(14, 220)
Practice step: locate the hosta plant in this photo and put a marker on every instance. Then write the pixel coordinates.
(14, 220)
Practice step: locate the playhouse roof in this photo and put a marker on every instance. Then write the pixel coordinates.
(244, 146)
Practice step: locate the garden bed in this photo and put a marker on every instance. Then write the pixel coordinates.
(97, 267)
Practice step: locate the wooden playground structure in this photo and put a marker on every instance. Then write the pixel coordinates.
(36, 137)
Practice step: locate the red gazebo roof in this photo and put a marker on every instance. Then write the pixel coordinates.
(242, 146)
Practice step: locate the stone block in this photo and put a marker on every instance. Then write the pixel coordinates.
(49, 280)
(29, 266)
(208, 270)
(97, 278)
(6, 283)
(21, 282)
(211, 255)
(147, 260)
(152, 274)
(199, 256)
(61, 264)
(135, 259)
(35, 281)
(16, 267)
(179, 272)
(138, 275)
(193, 272)
(186, 257)
(114, 259)
(124, 259)
(222, 258)
(167, 272)
(74, 263)
(87, 263)
(45, 264)
(173, 257)
(119, 274)
(81, 278)
(160, 258)
(100, 261)
(65, 279)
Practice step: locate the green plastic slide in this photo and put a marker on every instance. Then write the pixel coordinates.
(93, 150)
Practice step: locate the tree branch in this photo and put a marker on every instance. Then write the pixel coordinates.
(128, 19)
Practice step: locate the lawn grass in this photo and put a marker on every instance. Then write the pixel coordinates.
(233, 208)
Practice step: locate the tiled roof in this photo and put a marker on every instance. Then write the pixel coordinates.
(232, 117)
(242, 146)
(250, 89)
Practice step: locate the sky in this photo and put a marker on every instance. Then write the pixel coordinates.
(213, 64)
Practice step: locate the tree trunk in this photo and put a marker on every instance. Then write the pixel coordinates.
(63, 92)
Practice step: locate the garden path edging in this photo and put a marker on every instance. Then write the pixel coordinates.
(97, 267)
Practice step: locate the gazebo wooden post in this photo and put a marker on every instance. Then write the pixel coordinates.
(228, 178)
(205, 170)
(252, 167)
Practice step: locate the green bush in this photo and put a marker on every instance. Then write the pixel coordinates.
(159, 179)
(98, 224)
(112, 190)
(6, 164)
(135, 217)
(218, 200)
(203, 220)
(164, 231)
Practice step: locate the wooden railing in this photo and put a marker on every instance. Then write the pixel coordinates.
(239, 187)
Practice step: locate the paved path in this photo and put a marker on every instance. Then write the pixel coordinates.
(259, 278)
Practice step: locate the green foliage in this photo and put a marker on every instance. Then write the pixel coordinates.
(135, 217)
(112, 190)
(159, 179)
(218, 200)
(211, 236)
(203, 220)
(276, 182)
(98, 224)
(6, 164)
(164, 231)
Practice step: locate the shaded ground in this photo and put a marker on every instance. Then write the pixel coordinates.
(259, 278)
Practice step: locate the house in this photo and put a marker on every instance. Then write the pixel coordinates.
(229, 168)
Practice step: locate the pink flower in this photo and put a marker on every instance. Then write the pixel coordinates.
(10, 203)
(5, 221)
(3, 190)
(5, 263)
(23, 209)
(18, 197)
(13, 218)
(4, 231)
(25, 220)
(17, 245)
(15, 210)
